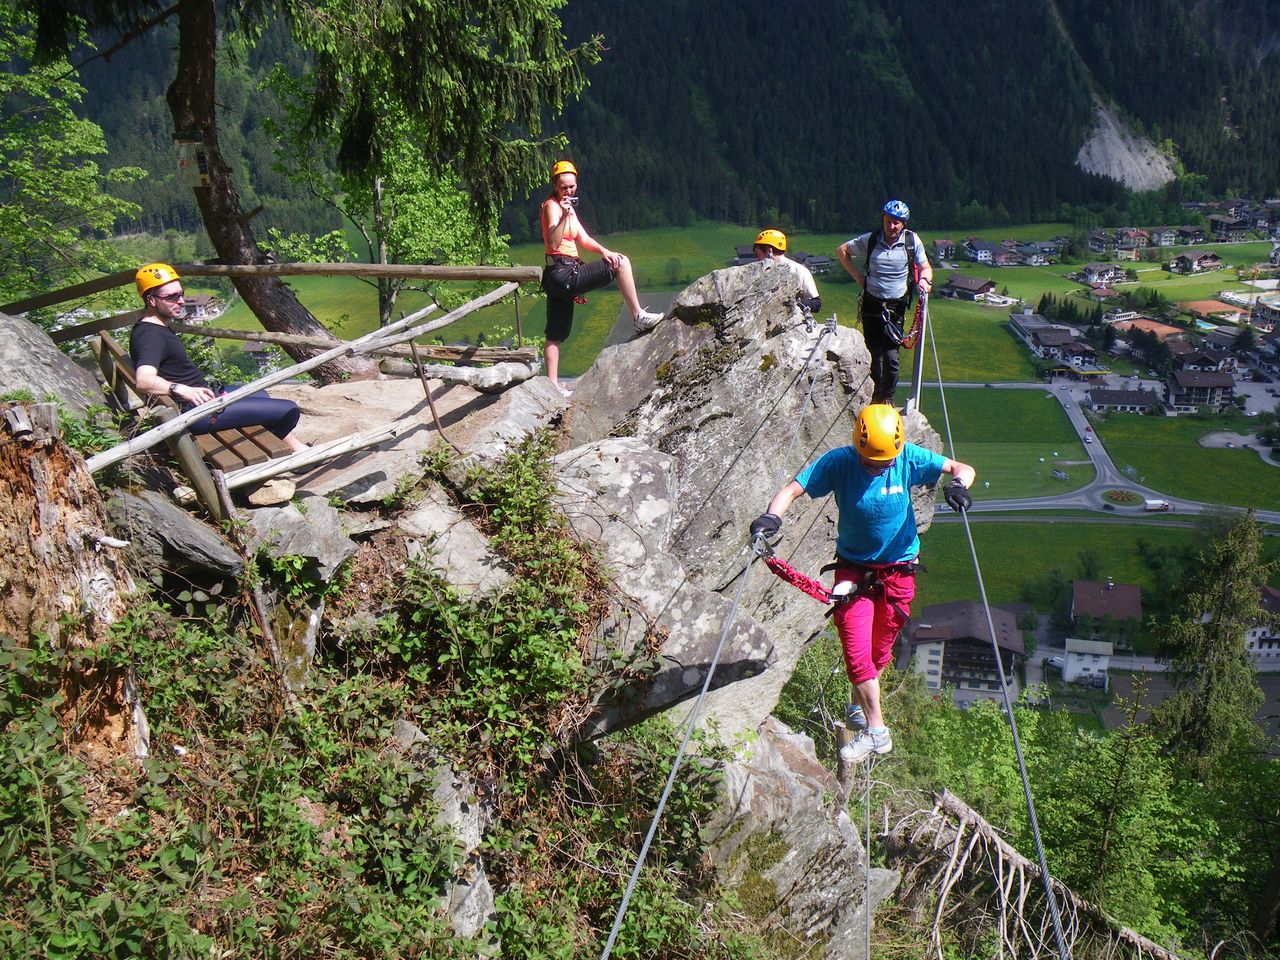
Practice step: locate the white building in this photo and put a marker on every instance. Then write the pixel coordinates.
(1087, 662)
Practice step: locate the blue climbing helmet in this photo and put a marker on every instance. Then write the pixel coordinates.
(898, 209)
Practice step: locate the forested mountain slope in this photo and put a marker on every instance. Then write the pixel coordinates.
(808, 114)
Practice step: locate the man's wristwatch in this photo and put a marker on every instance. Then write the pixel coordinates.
(173, 391)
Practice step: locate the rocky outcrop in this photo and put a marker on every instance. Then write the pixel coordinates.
(717, 392)
(1113, 151)
(30, 361)
(620, 496)
(778, 838)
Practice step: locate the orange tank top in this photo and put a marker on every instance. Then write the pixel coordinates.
(568, 245)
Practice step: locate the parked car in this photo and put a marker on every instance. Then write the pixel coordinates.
(1056, 662)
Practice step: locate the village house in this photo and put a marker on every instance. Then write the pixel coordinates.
(1266, 311)
(1119, 315)
(1186, 391)
(260, 353)
(980, 251)
(1133, 236)
(1123, 401)
(961, 287)
(1196, 262)
(1101, 292)
(1229, 228)
(944, 249)
(1101, 273)
(1101, 241)
(1274, 259)
(743, 254)
(950, 646)
(1087, 662)
(1032, 254)
(1200, 360)
(201, 307)
(1164, 236)
(1188, 235)
(1262, 641)
(817, 263)
(1095, 603)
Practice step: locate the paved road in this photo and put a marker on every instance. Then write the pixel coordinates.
(1106, 474)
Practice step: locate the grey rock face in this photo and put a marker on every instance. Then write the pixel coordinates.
(164, 536)
(531, 406)
(29, 360)
(619, 495)
(775, 820)
(465, 818)
(316, 534)
(457, 548)
(719, 388)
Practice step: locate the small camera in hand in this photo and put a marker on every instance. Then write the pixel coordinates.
(572, 201)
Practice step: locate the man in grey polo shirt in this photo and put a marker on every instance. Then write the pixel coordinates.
(897, 259)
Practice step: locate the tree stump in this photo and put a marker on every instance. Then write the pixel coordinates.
(61, 577)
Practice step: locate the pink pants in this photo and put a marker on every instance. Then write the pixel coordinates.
(869, 623)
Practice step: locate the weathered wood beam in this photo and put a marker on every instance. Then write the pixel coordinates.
(401, 271)
(96, 326)
(441, 352)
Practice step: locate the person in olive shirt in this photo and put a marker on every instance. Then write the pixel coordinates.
(162, 367)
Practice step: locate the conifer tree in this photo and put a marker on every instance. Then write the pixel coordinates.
(1217, 692)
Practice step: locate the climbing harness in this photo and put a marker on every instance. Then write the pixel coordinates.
(753, 553)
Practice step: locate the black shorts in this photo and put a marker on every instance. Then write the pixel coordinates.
(564, 280)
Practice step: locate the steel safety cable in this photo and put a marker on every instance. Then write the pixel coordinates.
(706, 685)
(1004, 688)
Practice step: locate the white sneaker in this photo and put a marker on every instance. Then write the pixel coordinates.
(647, 319)
(864, 744)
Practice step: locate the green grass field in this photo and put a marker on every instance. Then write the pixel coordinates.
(1165, 454)
(1015, 439)
(1013, 552)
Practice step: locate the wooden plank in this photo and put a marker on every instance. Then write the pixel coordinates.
(95, 326)
(394, 271)
(85, 289)
(266, 441)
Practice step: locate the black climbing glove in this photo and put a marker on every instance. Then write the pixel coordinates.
(766, 525)
(813, 303)
(957, 496)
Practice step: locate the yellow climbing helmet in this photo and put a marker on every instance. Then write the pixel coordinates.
(154, 275)
(773, 238)
(563, 166)
(877, 436)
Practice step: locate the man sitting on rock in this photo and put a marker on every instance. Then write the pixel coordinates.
(162, 367)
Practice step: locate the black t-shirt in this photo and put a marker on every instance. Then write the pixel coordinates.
(155, 345)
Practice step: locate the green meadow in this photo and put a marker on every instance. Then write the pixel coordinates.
(1165, 454)
(1011, 553)
(1014, 439)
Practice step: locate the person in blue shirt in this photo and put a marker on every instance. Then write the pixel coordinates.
(897, 259)
(876, 548)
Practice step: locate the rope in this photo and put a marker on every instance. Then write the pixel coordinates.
(706, 683)
(1004, 687)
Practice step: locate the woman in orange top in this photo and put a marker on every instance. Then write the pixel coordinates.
(567, 277)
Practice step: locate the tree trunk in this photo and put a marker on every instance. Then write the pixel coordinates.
(191, 102)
